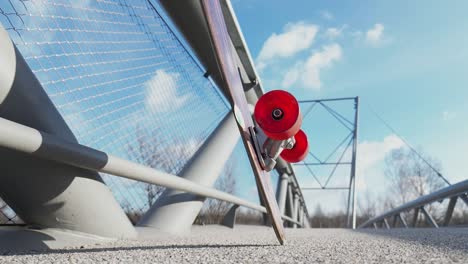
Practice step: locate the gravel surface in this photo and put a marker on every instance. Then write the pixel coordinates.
(254, 244)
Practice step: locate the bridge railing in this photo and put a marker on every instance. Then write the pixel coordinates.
(28, 140)
(452, 192)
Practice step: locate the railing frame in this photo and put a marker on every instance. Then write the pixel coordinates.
(43, 145)
(452, 192)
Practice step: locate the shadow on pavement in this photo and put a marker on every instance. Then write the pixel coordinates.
(130, 248)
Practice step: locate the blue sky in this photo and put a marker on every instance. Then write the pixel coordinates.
(406, 59)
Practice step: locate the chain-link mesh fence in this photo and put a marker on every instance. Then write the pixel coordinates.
(122, 81)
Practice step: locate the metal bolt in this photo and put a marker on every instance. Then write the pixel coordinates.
(277, 114)
(290, 143)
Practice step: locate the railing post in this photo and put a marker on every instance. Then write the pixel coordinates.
(429, 218)
(395, 220)
(450, 208)
(402, 221)
(175, 211)
(385, 222)
(296, 209)
(290, 203)
(282, 191)
(415, 217)
(301, 216)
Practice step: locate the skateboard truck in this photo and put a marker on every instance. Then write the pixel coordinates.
(277, 114)
(270, 150)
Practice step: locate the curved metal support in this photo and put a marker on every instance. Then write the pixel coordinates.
(175, 211)
(42, 192)
(229, 219)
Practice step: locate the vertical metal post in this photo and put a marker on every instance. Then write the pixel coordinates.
(282, 191)
(395, 221)
(450, 208)
(352, 191)
(301, 216)
(290, 203)
(415, 217)
(296, 209)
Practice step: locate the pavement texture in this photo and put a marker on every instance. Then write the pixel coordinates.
(257, 244)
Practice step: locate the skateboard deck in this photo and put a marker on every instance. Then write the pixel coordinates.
(226, 63)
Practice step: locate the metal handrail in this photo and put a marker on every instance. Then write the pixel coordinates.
(451, 191)
(37, 143)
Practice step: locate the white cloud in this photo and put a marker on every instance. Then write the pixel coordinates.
(161, 92)
(448, 115)
(374, 36)
(183, 150)
(326, 15)
(307, 74)
(295, 37)
(370, 153)
(333, 32)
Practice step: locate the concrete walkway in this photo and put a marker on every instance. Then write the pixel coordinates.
(257, 244)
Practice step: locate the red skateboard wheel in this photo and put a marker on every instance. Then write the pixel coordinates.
(300, 149)
(277, 113)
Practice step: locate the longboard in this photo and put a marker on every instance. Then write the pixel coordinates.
(226, 63)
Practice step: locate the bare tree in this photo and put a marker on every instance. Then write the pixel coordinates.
(247, 216)
(147, 151)
(153, 151)
(367, 205)
(214, 210)
(410, 177)
(318, 218)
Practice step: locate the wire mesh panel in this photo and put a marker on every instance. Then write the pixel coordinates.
(7, 215)
(121, 80)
